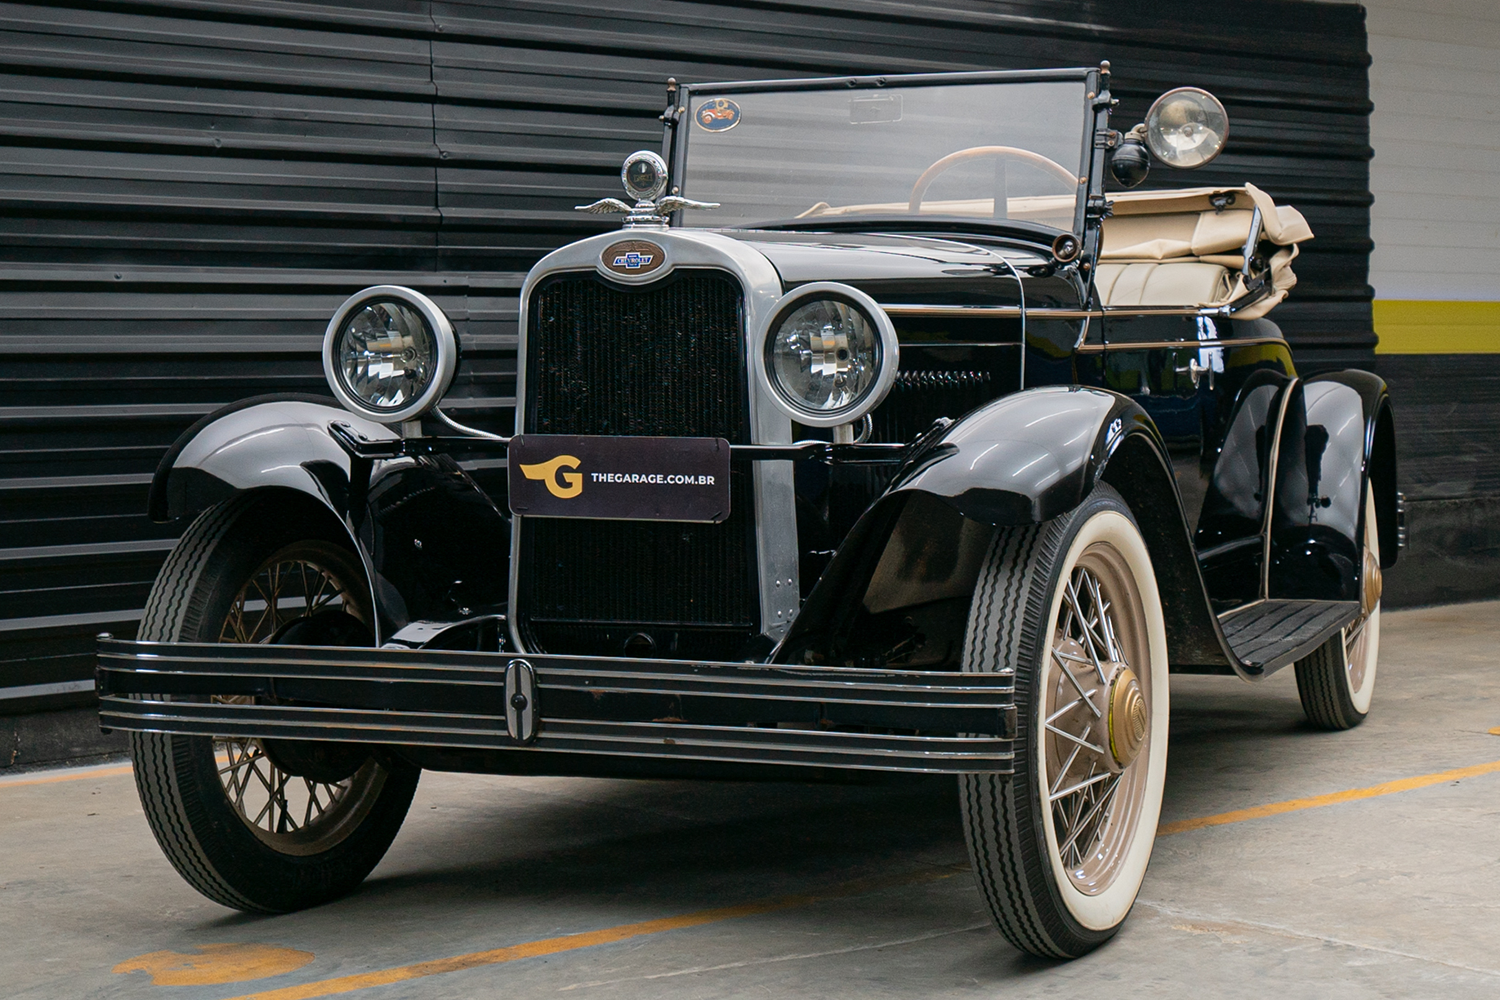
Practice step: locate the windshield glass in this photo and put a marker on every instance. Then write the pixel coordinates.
(976, 150)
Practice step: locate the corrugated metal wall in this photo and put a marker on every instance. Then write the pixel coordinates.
(189, 187)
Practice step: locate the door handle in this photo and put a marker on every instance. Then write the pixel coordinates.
(1196, 371)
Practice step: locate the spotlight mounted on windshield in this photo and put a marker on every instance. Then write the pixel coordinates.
(1186, 128)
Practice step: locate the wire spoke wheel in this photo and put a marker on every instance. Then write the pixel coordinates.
(292, 813)
(1097, 712)
(268, 825)
(1070, 607)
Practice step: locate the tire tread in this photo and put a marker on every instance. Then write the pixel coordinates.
(1006, 633)
(1323, 688)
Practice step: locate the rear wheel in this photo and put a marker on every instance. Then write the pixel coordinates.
(265, 825)
(1337, 682)
(1060, 848)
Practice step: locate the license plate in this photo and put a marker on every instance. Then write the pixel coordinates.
(619, 478)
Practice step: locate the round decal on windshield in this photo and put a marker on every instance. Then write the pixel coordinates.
(717, 115)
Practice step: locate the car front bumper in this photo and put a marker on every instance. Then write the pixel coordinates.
(744, 713)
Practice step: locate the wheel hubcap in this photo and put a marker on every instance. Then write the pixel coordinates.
(1128, 721)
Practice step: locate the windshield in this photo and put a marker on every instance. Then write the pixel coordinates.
(975, 150)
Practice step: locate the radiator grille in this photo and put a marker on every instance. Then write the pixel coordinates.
(667, 359)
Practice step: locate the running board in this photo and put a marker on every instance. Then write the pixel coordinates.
(1269, 635)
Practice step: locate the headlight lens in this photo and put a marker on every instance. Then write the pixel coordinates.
(387, 355)
(1186, 127)
(824, 356)
(829, 354)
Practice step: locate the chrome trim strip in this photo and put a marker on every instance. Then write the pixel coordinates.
(1012, 312)
(989, 312)
(1153, 345)
(1166, 310)
(775, 502)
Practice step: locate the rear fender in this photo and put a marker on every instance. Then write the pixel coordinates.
(1337, 440)
(434, 546)
(1024, 459)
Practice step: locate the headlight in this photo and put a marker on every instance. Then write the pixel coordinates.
(1186, 127)
(828, 354)
(389, 353)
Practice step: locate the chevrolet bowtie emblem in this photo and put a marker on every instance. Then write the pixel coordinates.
(563, 485)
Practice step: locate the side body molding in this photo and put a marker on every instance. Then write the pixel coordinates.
(1023, 459)
(434, 545)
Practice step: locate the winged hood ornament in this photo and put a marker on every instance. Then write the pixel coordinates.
(645, 177)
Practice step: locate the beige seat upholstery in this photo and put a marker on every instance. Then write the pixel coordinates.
(1175, 234)
(1175, 283)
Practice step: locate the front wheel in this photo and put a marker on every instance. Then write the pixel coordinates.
(265, 825)
(1060, 847)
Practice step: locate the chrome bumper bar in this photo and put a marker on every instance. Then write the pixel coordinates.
(840, 717)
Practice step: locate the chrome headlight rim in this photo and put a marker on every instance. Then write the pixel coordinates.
(445, 343)
(888, 353)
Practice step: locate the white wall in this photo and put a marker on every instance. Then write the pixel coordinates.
(1435, 82)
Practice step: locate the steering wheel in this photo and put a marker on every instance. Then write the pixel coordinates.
(1051, 166)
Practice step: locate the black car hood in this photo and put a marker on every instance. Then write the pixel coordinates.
(896, 268)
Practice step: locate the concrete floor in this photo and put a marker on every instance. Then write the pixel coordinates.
(1396, 895)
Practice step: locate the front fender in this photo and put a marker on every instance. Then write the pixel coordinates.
(1027, 457)
(1023, 459)
(435, 547)
(265, 441)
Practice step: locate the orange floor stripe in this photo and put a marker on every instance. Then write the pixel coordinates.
(1333, 798)
(609, 935)
(588, 939)
(103, 772)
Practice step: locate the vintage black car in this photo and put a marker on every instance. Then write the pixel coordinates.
(881, 439)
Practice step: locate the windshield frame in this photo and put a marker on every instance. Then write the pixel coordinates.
(1093, 138)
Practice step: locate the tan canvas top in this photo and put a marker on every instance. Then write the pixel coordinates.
(1179, 248)
(1161, 248)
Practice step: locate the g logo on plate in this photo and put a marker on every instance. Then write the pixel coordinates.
(632, 257)
(570, 484)
(718, 114)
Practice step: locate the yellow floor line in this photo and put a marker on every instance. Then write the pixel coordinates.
(101, 772)
(1332, 798)
(588, 939)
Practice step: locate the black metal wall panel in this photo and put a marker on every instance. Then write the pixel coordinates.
(189, 187)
